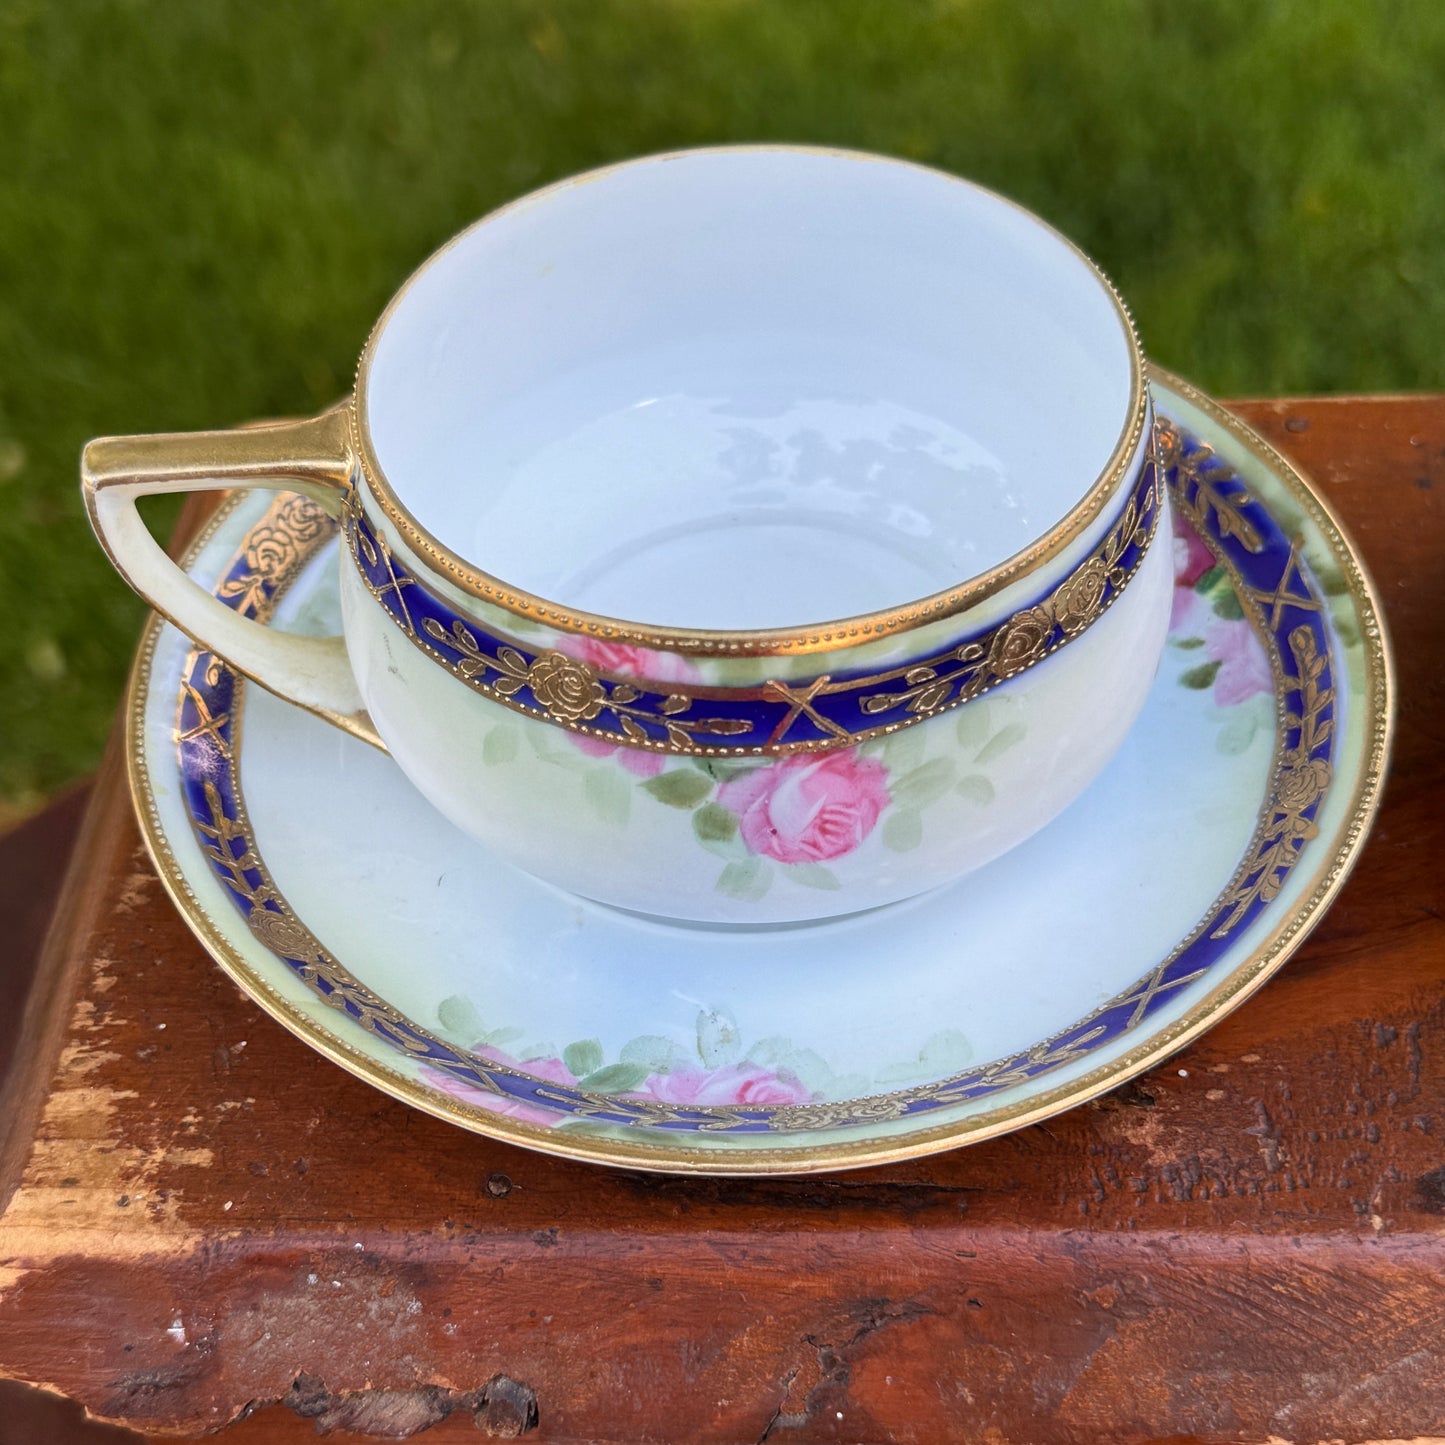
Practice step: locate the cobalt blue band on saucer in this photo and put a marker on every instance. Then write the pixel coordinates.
(832, 710)
(1265, 570)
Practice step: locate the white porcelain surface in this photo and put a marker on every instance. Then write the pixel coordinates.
(527, 790)
(748, 387)
(753, 388)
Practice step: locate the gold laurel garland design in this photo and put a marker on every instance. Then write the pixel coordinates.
(572, 693)
(1242, 981)
(293, 533)
(1300, 782)
(340, 989)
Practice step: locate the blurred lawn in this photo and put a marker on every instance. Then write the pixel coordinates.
(204, 205)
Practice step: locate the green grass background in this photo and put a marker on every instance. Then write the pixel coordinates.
(204, 205)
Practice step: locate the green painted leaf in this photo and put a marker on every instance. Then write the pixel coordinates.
(772, 1052)
(903, 831)
(946, 1051)
(975, 722)
(724, 769)
(679, 787)
(583, 1057)
(1200, 677)
(904, 749)
(1186, 644)
(719, 1041)
(656, 1053)
(714, 823)
(813, 875)
(458, 1016)
(615, 1078)
(976, 788)
(924, 785)
(1206, 580)
(783, 1056)
(942, 1053)
(1226, 604)
(1237, 734)
(747, 879)
(1005, 738)
(609, 794)
(500, 745)
(538, 737)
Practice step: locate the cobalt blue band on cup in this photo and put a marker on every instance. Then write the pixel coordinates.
(613, 449)
(826, 711)
(1246, 541)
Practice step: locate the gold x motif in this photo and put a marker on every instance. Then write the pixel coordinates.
(207, 727)
(1151, 988)
(800, 705)
(1281, 597)
(395, 585)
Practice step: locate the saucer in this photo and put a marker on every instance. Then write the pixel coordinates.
(1186, 875)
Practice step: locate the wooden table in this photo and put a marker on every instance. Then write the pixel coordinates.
(205, 1223)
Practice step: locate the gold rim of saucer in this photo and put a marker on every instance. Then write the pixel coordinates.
(1247, 976)
(803, 638)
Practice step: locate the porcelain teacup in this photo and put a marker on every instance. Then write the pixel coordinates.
(746, 535)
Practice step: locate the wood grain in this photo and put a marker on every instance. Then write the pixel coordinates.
(210, 1223)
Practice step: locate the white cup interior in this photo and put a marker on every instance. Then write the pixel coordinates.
(748, 388)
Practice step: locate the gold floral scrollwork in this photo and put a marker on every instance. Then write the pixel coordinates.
(1020, 642)
(217, 837)
(274, 547)
(1030, 634)
(1080, 596)
(1301, 782)
(281, 934)
(1200, 490)
(353, 510)
(801, 1118)
(568, 689)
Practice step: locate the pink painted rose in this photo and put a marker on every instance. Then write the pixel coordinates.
(1231, 642)
(635, 760)
(735, 1084)
(808, 808)
(553, 1070)
(1243, 666)
(1186, 612)
(624, 661)
(1192, 559)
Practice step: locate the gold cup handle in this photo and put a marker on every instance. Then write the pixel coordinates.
(313, 457)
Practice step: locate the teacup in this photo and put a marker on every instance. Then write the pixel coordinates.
(862, 452)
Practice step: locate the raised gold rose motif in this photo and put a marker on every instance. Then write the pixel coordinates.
(1080, 596)
(281, 934)
(1301, 783)
(568, 689)
(1303, 778)
(1019, 642)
